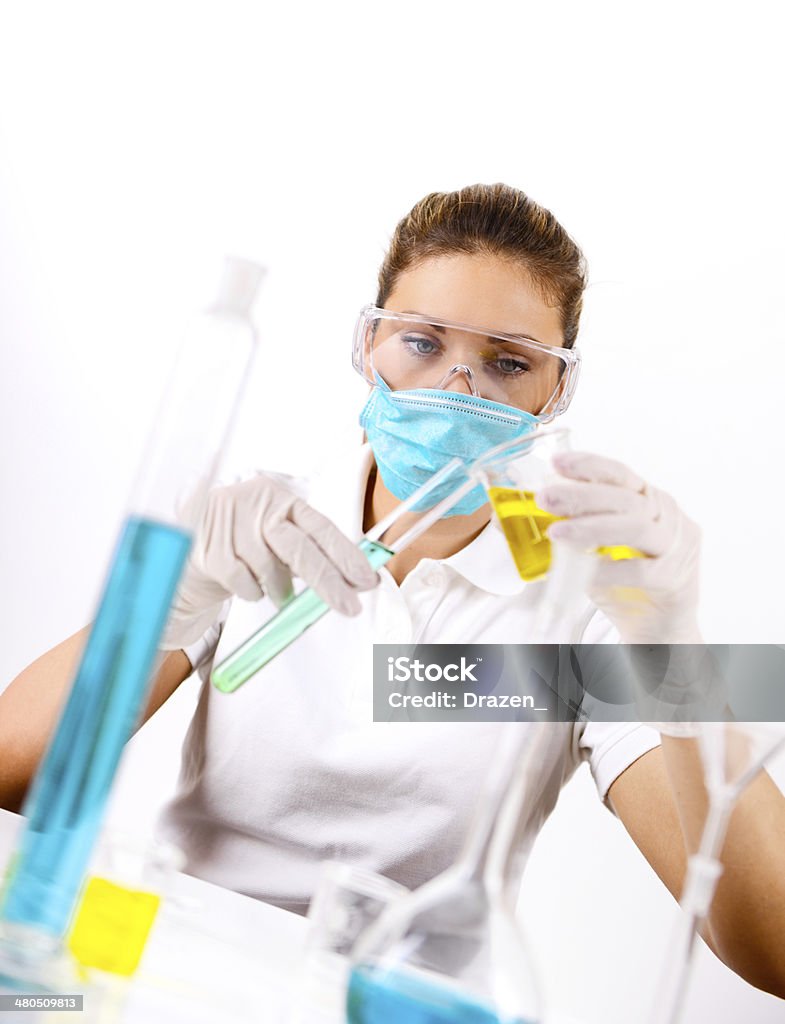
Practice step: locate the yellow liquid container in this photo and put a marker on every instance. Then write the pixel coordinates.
(617, 552)
(112, 925)
(525, 524)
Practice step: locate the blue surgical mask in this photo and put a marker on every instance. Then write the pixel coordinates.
(413, 434)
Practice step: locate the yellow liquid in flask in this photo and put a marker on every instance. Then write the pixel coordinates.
(524, 525)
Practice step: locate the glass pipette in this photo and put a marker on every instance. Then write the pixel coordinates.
(307, 607)
(65, 806)
(733, 753)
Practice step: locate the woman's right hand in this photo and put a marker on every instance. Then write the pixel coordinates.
(253, 537)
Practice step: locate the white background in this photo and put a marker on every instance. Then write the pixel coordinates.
(139, 142)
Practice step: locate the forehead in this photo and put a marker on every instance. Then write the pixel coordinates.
(484, 291)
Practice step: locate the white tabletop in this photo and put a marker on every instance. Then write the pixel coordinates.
(213, 955)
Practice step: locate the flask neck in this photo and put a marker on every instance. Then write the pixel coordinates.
(490, 855)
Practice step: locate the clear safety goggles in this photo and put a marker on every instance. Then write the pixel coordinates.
(410, 351)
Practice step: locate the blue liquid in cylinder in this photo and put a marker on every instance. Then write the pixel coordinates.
(381, 997)
(66, 802)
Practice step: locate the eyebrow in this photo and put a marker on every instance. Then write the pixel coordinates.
(436, 327)
(477, 330)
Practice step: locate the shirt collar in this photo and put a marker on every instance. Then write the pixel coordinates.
(487, 564)
(338, 491)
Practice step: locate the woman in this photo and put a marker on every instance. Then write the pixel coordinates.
(291, 770)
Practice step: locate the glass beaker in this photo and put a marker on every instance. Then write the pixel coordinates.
(346, 900)
(452, 952)
(129, 878)
(511, 474)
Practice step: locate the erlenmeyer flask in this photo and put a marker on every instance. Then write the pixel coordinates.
(452, 952)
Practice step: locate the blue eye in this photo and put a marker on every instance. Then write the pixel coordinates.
(510, 366)
(419, 345)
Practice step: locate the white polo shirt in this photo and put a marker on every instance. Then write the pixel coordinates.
(291, 770)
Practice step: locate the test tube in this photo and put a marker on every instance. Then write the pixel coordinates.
(66, 802)
(379, 545)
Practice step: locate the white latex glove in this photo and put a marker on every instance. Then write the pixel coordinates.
(649, 600)
(254, 536)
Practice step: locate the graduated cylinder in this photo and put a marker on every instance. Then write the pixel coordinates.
(66, 802)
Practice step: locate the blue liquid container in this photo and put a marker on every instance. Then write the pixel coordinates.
(379, 997)
(67, 799)
(453, 950)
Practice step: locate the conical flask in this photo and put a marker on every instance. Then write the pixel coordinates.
(452, 952)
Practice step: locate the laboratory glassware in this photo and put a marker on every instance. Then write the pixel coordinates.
(512, 473)
(731, 754)
(347, 898)
(388, 537)
(412, 352)
(65, 806)
(452, 952)
(128, 879)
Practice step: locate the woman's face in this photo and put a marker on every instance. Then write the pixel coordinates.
(487, 292)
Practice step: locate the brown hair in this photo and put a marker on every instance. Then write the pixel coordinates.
(494, 220)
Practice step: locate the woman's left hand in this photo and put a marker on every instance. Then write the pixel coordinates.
(652, 599)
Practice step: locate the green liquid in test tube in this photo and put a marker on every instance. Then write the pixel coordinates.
(291, 621)
(305, 609)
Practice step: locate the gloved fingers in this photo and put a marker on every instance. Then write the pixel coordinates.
(598, 469)
(307, 560)
(217, 558)
(342, 552)
(578, 497)
(196, 591)
(637, 573)
(236, 577)
(252, 559)
(276, 581)
(607, 530)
